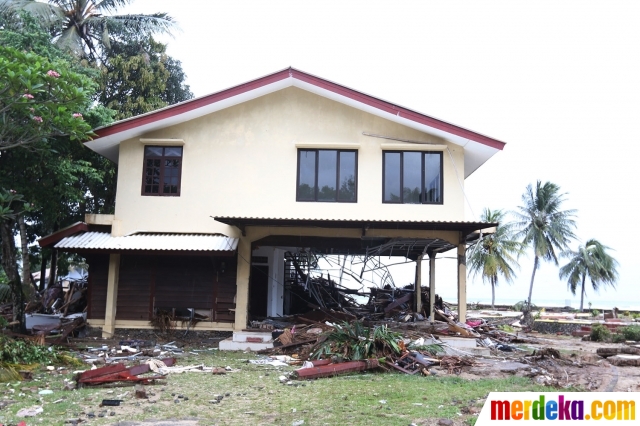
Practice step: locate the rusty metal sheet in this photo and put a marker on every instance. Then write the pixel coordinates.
(334, 369)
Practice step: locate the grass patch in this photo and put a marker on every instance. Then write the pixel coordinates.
(257, 397)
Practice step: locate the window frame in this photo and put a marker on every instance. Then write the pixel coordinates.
(162, 169)
(422, 176)
(317, 159)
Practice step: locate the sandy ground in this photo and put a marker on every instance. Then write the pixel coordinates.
(579, 366)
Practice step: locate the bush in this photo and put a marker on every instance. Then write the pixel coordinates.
(618, 338)
(24, 352)
(631, 332)
(599, 333)
(595, 313)
(523, 305)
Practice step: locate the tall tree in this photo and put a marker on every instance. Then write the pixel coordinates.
(87, 27)
(590, 260)
(543, 225)
(139, 77)
(495, 255)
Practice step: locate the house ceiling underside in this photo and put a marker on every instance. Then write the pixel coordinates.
(369, 246)
(409, 248)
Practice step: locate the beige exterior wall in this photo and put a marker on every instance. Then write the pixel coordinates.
(242, 161)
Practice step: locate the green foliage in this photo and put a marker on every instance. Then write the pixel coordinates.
(3, 321)
(354, 341)
(543, 225)
(86, 28)
(138, 77)
(599, 333)
(506, 327)
(590, 261)
(631, 332)
(432, 349)
(635, 315)
(495, 255)
(524, 305)
(595, 312)
(626, 314)
(24, 352)
(40, 99)
(618, 338)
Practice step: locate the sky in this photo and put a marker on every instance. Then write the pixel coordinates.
(559, 82)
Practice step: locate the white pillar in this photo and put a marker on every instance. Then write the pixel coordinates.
(242, 283)
(432, 287)
(112, 296)
(462, 282)
(276, 283)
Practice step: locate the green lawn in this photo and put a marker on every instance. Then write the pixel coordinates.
(257, 397)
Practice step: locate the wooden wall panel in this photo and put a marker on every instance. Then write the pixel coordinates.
(134, 287)
(97, 286)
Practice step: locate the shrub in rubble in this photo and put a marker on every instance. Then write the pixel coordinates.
(354, 341)
(631, 332)
(618, 338)
(599, 333)
(24, 352)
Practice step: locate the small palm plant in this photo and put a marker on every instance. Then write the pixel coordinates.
(589, 261)
(495, 255)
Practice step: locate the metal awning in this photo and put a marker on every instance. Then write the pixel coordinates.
(148, 242)
(462, 226)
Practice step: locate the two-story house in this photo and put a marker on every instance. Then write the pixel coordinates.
(212, 192)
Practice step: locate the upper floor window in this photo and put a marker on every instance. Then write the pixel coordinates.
(411, 177)
(327, 175)
(162, 170)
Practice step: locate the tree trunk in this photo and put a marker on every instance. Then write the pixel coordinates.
(536, 262)
(10, 266)
(54, 267)
(493, 294)
(584, 277)
(43, 269)
(26, 265)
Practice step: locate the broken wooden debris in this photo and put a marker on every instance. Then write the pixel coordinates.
(119, 373)
(334, 369)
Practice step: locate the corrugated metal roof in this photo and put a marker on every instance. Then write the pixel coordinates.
(178, 242)
(452, 222)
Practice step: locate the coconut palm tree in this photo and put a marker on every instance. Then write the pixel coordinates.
(544, 225)
(590, 260)
(86, 27)
(495, 255)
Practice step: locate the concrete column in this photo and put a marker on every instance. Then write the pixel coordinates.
(242, 284)
(462, 283)
(276, 283)
(432, 287)
(417, 295)
(112, 296)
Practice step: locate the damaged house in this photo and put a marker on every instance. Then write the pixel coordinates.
(216, 195)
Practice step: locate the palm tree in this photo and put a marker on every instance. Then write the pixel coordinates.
(86, 27)
(590, 260)
(495, 254)
(543, 224)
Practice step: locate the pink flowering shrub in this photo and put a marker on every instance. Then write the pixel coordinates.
(28, 96)
(37, 119)
(52, 73)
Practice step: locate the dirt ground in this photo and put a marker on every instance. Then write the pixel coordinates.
(579, 366)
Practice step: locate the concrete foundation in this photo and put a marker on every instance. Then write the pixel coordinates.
(247, 341)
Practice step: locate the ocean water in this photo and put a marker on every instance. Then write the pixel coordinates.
(601, 305)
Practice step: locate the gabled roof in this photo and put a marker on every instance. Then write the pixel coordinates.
(478, 148)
